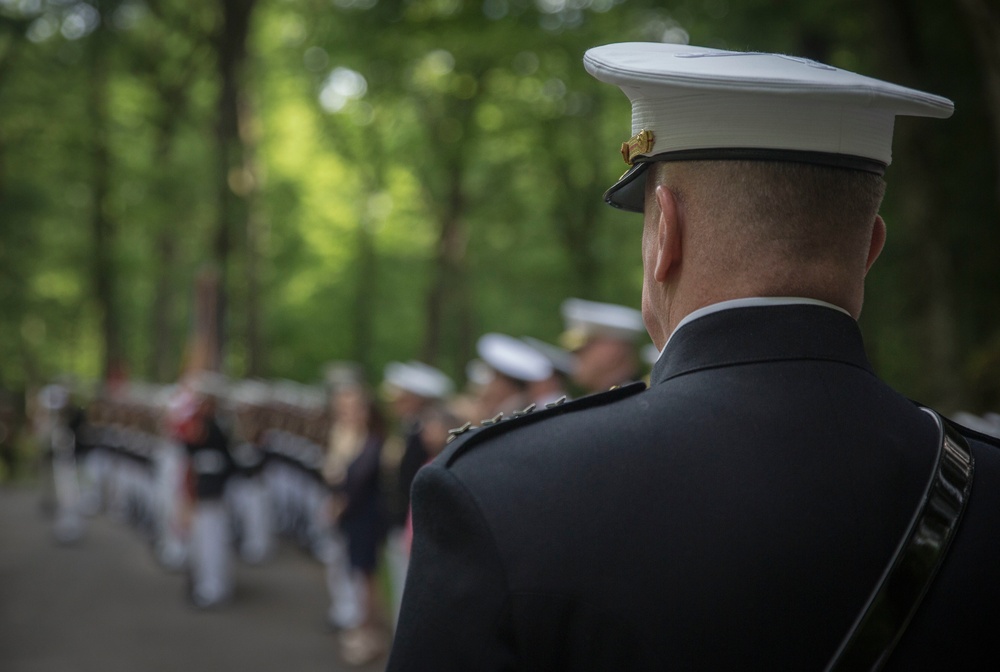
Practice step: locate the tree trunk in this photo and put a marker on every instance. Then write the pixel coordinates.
(102, 226)
(365, 288)
(577, 218)
(448, 296)
(984, 25)
(923, 209)
(233, 183)
(161, 367)
(366, 152)
(450, 323)
(253, 343)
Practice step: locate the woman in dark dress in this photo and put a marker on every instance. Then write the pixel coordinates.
(351, 469)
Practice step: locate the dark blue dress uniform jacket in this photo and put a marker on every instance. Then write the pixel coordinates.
(735, 515)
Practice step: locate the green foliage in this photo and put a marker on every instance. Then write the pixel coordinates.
(374, 130)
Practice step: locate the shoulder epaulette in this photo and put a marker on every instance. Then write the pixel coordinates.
(464, 437)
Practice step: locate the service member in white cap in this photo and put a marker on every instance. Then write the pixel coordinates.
(210, 463)
(555, 388)
(411, 388)
(512, 366)
(768, 502)
(603, 338)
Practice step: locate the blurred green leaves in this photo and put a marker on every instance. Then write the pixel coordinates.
(421, 172)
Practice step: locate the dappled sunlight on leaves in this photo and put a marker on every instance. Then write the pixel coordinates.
(396, 154)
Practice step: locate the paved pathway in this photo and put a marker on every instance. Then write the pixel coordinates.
(105, 605)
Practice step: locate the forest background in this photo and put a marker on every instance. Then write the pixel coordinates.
(367, 180)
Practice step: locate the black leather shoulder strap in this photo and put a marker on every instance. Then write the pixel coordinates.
(919, 555)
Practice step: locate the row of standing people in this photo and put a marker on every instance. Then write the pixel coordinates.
(600, 348)
(211, 472)
(207, 467)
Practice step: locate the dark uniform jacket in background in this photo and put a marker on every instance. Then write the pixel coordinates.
(399, 481)
(211, 462)
(363, 518)
(735, 515)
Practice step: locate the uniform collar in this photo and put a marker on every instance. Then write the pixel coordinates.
(750, 302)
(755, 330)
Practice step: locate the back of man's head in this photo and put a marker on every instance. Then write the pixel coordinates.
(781, 226)
(816, 209)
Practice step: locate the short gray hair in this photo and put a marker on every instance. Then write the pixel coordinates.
(815, 209)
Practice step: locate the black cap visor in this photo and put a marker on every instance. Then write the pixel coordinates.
(629, 192)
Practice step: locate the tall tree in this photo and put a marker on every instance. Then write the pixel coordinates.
(234, 180)
(167, 59)
(12, 236)
(102, 221)
(448, 299)
(983, 20)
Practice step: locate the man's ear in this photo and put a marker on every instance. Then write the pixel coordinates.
(877, 242)
(668, 234)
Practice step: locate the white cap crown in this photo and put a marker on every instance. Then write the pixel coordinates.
(692, 103)
(513, 358)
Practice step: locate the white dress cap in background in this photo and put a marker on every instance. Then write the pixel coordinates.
(562, 360)
(209, 383)
(421, 379)
(478, 372)
(513, 358)
(691, 103)
(587, 319)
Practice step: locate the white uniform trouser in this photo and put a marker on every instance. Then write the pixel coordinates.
(171, 546)
(248, 502)
(348, 595)
(94, 470)
(279, 489)
(68, 523)
(315, 505)
(121, 479)
(210, 571)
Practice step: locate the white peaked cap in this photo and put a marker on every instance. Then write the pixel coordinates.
(513, 358)
(562, 359)
(695, 103)
(209, 384)
(478, 372)
(53, 396)
(251, 393)
(585, 319)
(421, 379)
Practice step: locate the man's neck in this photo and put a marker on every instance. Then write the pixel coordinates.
(697, 286)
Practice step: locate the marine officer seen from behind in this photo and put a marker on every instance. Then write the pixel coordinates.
(768, 502)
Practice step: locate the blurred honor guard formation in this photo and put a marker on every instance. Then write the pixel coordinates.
(212, 472)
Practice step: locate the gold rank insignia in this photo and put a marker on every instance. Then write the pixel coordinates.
(640, 143)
